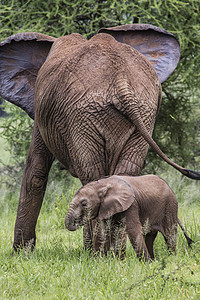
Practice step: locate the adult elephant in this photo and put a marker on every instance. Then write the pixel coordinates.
(94, 105)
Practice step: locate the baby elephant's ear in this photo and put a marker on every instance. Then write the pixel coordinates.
(116, 196)
(158, 45)
(21, 56)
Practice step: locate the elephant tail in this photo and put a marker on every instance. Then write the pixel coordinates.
(189, 240)
(128, 104)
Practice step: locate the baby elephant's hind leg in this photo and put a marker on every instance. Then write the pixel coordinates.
(149, 240)
(170, 237)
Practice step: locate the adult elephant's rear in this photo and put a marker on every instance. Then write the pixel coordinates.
(82, 111)
(95, 105)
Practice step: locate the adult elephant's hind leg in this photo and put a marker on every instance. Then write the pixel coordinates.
(132, 156)
(33, 187)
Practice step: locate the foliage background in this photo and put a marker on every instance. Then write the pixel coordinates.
(177, 128)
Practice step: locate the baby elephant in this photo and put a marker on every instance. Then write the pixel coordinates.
(139, 206)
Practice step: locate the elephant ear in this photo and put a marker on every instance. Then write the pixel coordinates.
(21, 56)
(116, 196)
(158, 45)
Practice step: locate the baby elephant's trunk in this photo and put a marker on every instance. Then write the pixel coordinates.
(70, 221)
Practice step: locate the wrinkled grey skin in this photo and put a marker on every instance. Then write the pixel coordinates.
(139, 206)
(94, 104)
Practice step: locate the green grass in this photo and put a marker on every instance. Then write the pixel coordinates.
(4, 152)
(59, 268)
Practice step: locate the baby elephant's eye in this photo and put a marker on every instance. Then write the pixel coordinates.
(84, 202)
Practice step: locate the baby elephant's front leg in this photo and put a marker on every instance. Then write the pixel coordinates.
(135, 234)
(119, 236)
(110, 235)
(137, 240)
(138, 243)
